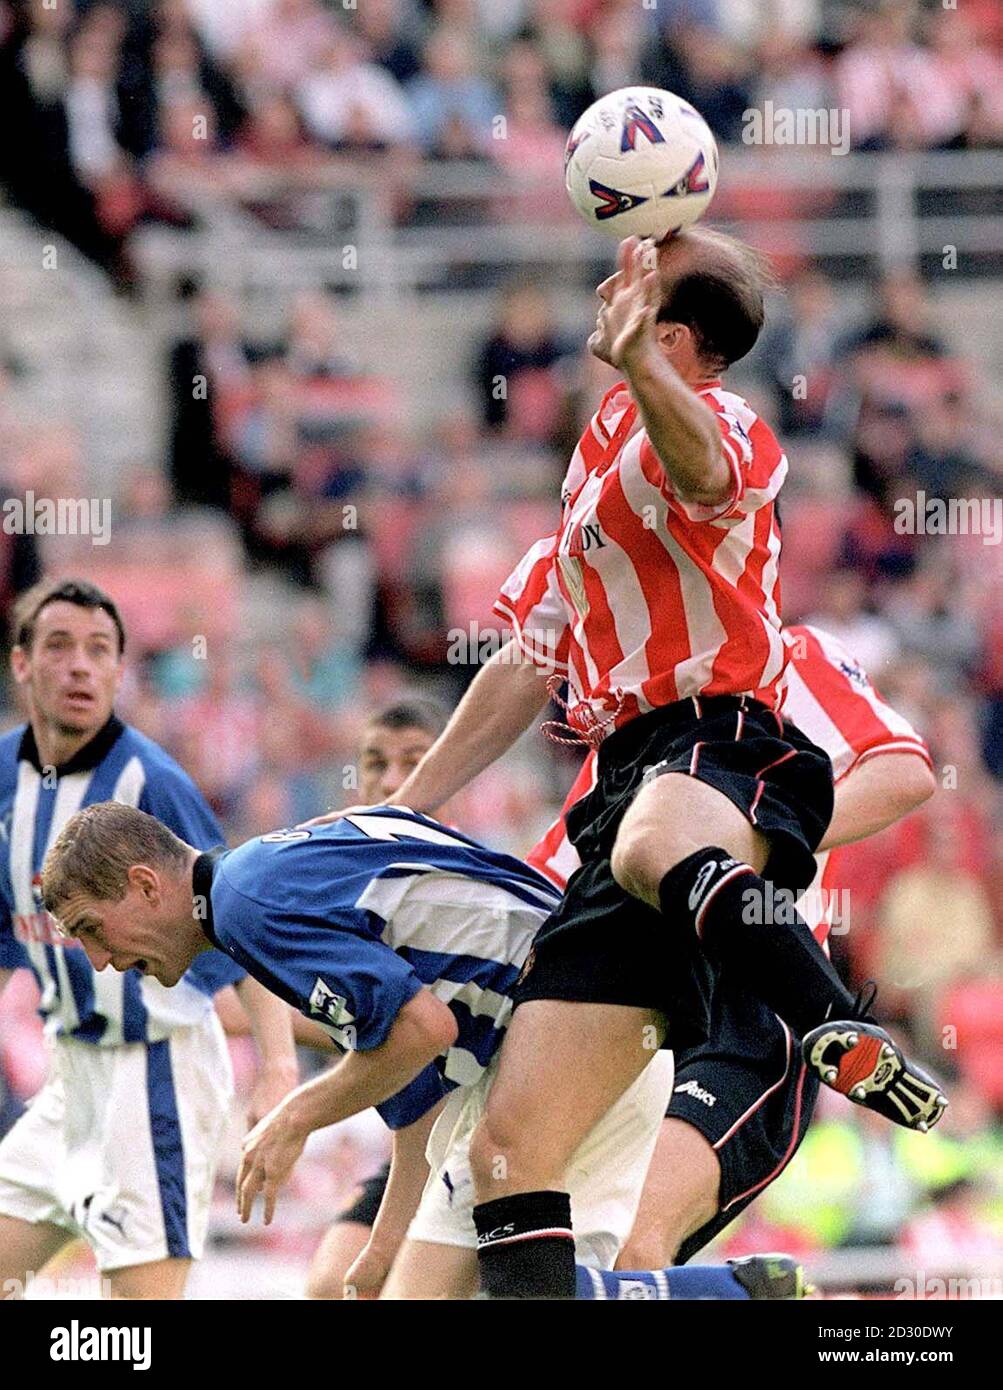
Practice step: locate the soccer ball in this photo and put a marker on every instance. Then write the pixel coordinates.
(640, 162)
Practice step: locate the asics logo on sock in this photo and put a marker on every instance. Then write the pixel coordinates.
(700, 885)
(694, 1089)
(703, 880)
(499, 1233)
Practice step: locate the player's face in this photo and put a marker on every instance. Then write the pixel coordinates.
(387, 758)
(73, 668)
(130, 933)
(675, 256)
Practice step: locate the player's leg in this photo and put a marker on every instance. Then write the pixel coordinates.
(26, 1247)
(34, 1223)
(562, 1066)
(686, 847)
(717, 892)
(680, 1196)
(159, 1279)
(345, 1240)
(143, 1135)
(427, 1270)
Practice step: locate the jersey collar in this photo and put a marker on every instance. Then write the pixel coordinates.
(84, 759)
(203, 871)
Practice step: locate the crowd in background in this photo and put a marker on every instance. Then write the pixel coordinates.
(123, 107)
(297, 464)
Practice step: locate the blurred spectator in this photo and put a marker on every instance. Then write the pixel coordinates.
(844, 613)
(925, 615)
(350, 103)
(518, 371)
(281, 46)
(797, 354)
(391, 32)
(212, 360)
(532, 151)
(454, 106)
(896, 95)
(704, 68)
(555, 29)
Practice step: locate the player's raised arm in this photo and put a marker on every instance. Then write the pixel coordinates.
(424, 1028)
(630, 335)
(500, 704)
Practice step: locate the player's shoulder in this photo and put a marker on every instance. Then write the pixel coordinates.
(10, 748)
(163, 777)
(737, 410)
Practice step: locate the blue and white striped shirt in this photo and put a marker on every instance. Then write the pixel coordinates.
(348, 921)
(118, 764)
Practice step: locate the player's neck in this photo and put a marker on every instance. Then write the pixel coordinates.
(56, 746)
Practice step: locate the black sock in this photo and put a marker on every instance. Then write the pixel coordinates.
(745, 923)
(525, 1247)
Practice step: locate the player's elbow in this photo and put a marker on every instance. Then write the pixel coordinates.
(710, 482)
(914, 784)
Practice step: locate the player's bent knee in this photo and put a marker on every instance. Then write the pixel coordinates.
(503, 1156)
(638, 862)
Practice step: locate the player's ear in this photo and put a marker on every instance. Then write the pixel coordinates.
(20, 665)
(671, 336)
(147, 880)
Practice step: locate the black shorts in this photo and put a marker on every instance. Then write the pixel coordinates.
(749, 1093)
(362, 1211)
(601, 945)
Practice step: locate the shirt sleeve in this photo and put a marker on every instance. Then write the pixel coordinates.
(530, 601)
(407, 1106)
(864, 721)
(757, 463)
(351, 984)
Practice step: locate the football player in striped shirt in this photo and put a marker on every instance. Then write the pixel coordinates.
(120, 1145)
(403, 939)
(743, 1100)
(657, 600)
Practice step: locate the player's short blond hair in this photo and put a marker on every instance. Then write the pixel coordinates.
(98, 846)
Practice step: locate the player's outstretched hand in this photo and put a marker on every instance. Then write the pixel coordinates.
(632, 308)
(368, 1273)
(269, 1154)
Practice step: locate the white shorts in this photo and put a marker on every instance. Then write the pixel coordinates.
(605, 1177)
(120, 1144)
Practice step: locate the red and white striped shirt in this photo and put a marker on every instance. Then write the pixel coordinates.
(829, 698)
(640, 598)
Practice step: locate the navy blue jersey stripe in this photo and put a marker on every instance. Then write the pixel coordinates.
(40, 838)
(437, 965)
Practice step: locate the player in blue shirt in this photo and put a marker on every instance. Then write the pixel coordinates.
(120, 1144)
(404, 940)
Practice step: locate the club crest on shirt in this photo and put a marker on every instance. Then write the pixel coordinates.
(330, 1006)
(854, 672)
